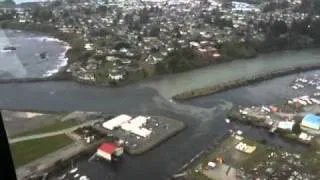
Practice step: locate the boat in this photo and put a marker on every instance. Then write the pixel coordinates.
(9, 48)
(83, 178)
(227, 120)
(73, 170)
(62, 177)
(43, 55)
(316, 94)
(299, 85)
(304, 80)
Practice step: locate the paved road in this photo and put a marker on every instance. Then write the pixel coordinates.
(43, 135)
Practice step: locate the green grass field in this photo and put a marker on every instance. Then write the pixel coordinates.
(59, 125)
(27, 151)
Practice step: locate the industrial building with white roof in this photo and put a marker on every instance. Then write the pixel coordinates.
(127, 123)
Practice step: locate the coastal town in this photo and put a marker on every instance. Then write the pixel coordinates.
(125, 41)
(158, 131)
(100, 138)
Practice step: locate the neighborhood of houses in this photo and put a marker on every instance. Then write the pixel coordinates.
(126, 38)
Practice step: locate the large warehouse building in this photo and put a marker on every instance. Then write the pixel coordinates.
(135, 126)
(116, 121)
(127, 123)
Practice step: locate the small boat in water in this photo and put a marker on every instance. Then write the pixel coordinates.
(43, 55)
(227, 120)
(73, 170)
(9, 48)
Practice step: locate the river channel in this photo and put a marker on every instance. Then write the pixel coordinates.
(203, 116)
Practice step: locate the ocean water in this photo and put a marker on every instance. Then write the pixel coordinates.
(25, 62)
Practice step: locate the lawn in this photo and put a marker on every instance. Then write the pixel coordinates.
(58, 125)
(27, 151)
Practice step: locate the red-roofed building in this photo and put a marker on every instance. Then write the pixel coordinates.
(109, 151)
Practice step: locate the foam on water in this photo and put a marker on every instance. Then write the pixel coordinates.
(63, 62)
(46, 39)
(5, 51)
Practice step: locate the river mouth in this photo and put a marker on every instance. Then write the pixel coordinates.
(204, 119)
(204, 116)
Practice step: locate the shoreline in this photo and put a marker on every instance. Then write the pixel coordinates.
(209, 90)
(47, 33)
(62, 74)
(187, 95)
(236, 116)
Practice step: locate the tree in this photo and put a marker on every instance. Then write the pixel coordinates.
(144, 16)
(7, 2)
(56, 3)
(8, 15)
(222, 22)
(315, 31)
(42, 14)
(128, 18)
(296, 129)
(113, 83)
(99, 32)
(101, 42)
(140, 38)
(155, 31)
(102, 9)
(176, 32)
(278, 28)
(120, 45)
(234, 49)
(301, 27)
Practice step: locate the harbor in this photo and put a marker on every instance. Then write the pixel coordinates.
(295, 119)
(203, 116)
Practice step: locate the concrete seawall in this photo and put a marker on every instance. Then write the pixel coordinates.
(242, 82)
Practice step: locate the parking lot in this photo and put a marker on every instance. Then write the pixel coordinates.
(161, 127)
